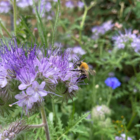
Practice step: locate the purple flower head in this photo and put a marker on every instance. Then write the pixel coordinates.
(80, 4)
(37, 91)
(3, 77)
(15, 59)
(107, 26)
(49, 17)
(43, 8)
(48, 6)
(78, 50)
(73, 85)
(128, 39)
(101, 30)
(26, 76)
(122, 137)
(112, 82)
(5, 7)
(74, 53)
(69, 4)
(24, 3)
(58, 45)
(33, 66)
(25, 100)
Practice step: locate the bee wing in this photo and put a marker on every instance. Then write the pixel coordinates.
(86, 72)
(92, 72)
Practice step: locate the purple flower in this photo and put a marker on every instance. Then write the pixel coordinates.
(0, 136)
(26, 76)
(5, 7)
(112, 82)
(72, 87)
(69, 4)
(128, 40)
(78, 50)
(107, 26)
(24, 3)
(25, 100)
(31, 67)
(44, 7)
(3, 77)
(80, 4)
(48, 6)
(49, 18)
(58, 45)
(37, 91)
(75, 52)
(101, 30)
(122, 137)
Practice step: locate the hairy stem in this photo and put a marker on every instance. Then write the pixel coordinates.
(15, 17)
(131, 120)
(44, 120)
(4, 28)
(36, 125)
(110, 97)
(84, 18)
(82, 22)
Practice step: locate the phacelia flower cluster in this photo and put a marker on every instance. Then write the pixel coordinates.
(99, 112)
(127, 40)
(100, 115)
(123, 137)
(71, 4)
(5, 6)
(75, 52)
(14, 129)
(39, 73)
(101, 30)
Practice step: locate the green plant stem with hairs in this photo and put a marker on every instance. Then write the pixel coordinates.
(110, 96)
(83, 20)
(15, 17)
(4, 28)
(134, 113)
(54, 111)
(44, 120)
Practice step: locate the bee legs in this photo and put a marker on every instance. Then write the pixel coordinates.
(82, 77)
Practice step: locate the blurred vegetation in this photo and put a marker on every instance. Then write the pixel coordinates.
(66, 28)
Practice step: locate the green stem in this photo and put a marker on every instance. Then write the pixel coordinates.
(101, 48)
(76, 39)
(134, 70)
(84, 18)
(82, 22)
(36, 125)
(3, 27)
(54, 111)
(15, 16)
(44, 120)
(110, 97)
(131, 120)
(94, 92)
(56, 22)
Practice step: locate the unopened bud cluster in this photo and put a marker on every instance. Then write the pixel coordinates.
(13, 130)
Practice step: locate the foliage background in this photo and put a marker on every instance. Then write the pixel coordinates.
(124, 64)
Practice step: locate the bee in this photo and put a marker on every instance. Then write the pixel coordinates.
(84, 70)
